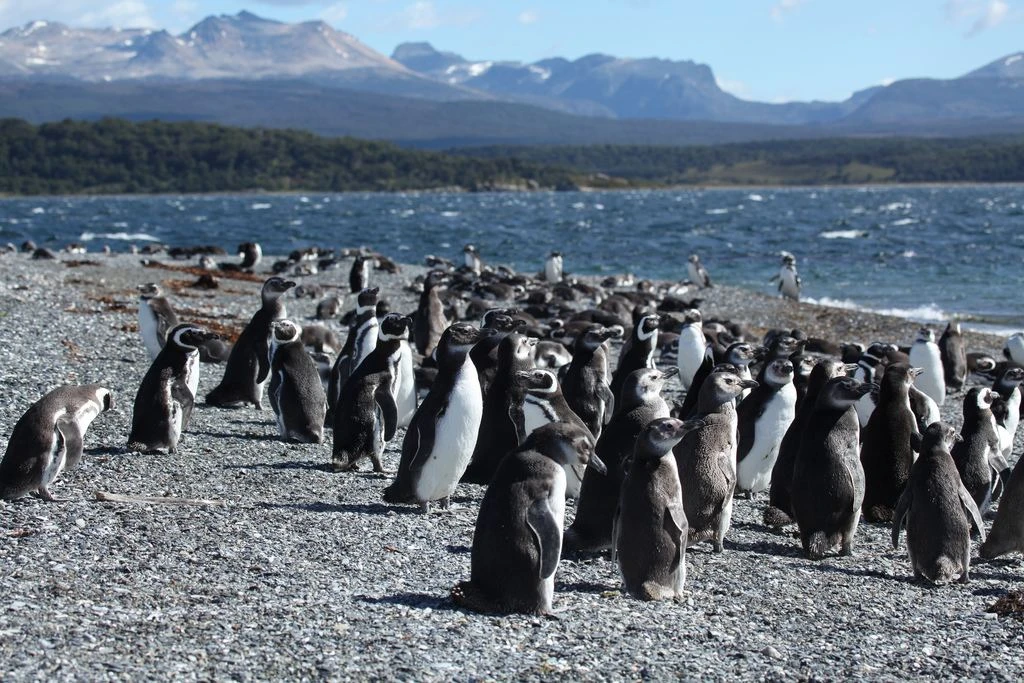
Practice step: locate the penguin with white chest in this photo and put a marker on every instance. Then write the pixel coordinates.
(362, 337)
(637, 351)
(764, 416)
(440, 440)
(164, 401)
(156, 318)
(691, 347)
(697, 272)
(48, 438)
(553, 267)
(248, 366)
(296, 393)
(925, 354)
(978, 455)
(517, 542)
(789, 279)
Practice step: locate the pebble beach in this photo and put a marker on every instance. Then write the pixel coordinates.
(290, 571)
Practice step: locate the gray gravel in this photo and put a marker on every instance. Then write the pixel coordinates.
(306, 574)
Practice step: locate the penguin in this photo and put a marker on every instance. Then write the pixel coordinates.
(977, 453)
(1007, 386)
(367, 413)
(637, 352)
(403, 373)
(164, 401)
(698, 273)
(248, 366)
(156, 318)
(296, 393)
(650, 530)
(328, 308)
(551, 355)
(764, 417)
(430, 320)
(359, 276)
(48, 438)
(441, 437)
(869, 369)
(485, 351)
(502, 425)
(585, 383)
(925, 354)
(544, 403)
(553, 267)
(828, 479)
(471, 259)
(1014, 348)
(888, 443)
(779, 511)
(1007, 534)
(706, 458)
(362, 337)
(938, 511)
(691, 347)
(954, 357)
(740, 355)
(641, 402)
(789, 280)
(517, 541)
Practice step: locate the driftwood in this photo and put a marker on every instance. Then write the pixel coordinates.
(107, 497)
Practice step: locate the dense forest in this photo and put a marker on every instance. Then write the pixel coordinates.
(116, 156)
(833, 161)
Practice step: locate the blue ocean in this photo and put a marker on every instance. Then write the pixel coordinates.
(925, 253)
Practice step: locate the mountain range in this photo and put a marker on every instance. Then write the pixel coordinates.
(246, 70)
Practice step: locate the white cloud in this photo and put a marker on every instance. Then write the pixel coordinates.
(982, 14)
(529, 16)
(784, 7)
(737, 88)
(887, 81)
(336, 13)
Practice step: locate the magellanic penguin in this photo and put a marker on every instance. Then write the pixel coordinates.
(362, 337)
(706, 458)
(366, 416)
(485, 351)
(764, 417)
(888, 443)
(828, 479)
(48, 438)
(641, 403)
(637, 351)
(164, 401)
(553, 267)
(925, 354)
(954, 357)
(740, 355)
(691, 348)
(978, 456)
(296, 393)
(1014, 348)
(1007, 534)
(251, 255)
(359, 276)
(248, 366)
(939, 512)
(471, 259)
(517, 542)
(789, 279)
(1006, 409)
(697, 272)
(870, 366)
(440, 440)
(650, 530)
(430, 320)
(156, 318)
(543, 403)
(585, 384)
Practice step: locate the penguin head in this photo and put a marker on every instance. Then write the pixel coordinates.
(926, 335)
(274, 287)
(787, 258)
(843, 392)
(692, 316)
(644, 384)
(189, 337)
(150, 290)
(937, 434)
(597, 335)
(742, 353)
(394, 326)
(105, 398)
(647, 327)
(979, 400)
(539, 382)
(459, 337)
(366, 300)
(779, 372)
(522, 347)
(785, 346)
(566, 444)
(659, 436)
(284, 332)
(803, 364)
(694, 259)
(721, 387)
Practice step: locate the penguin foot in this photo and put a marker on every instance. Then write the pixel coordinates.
(44, 493)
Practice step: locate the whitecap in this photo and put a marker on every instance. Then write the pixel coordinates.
(38, 210)
(896, 206)
(716, 212)
(127, 236)
(599, 207)
(928, 313)
(260, 207)
(755, 197)
(842, 234)
(903, 221)
(449, 214)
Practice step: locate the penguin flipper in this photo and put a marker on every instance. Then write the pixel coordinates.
(540, 518)
(181, 394)
(515, 414)
(73, 441)
(424, 428)
(604, 392)
(971, 508)
(389, 411)
(901, 510)
(676, 525)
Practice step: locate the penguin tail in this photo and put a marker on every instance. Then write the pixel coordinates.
(465, 594)
(776, 518)
(944, 571)
(817, 545)
(137, 446)
(879, 514)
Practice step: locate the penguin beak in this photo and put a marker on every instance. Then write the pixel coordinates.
(849, 368)
(915, 372)
(669, 372)
(866, 388)
(596, 463)
(957, 438)
(748, 383)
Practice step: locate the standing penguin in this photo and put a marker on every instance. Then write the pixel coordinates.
(440, 439)
(485, 352)
(585, 384)
(48, 438)
(789, 280)
(939, 512)
(740, 355)
(359, 276)
(1007, 386)
(707, 460)
(248, 366)
(828, 479)
(362, 337)
(979, 447)
(888, 442)
(543, 403)
(553, 267)
(163, 403)
(517, 542)
(925, 354)
(366, 415)
(1007, 533)
(954, 357)
(697, 272)
(650, 529)
(471, 259)
(156, 318)
(296, 393)
(641, 403)
(1014, 348)
(637, 351)
(764, 417)
(430, 320)
(870, 366)
(691, 347)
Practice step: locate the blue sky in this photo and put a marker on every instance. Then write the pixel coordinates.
(769, 50)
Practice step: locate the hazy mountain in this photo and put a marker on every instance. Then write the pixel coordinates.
(1011, 66)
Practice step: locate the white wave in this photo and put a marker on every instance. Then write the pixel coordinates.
(38, 210)
(897, 206)
(127, 236)
(842, 234)
(260, 207)
(450, 214)
(755, 197)
(903, 221)
(927, 313)
(716, 212)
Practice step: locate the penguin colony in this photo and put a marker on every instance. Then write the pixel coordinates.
(503, 379)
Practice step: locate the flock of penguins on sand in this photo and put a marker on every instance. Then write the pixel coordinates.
(525, 403)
